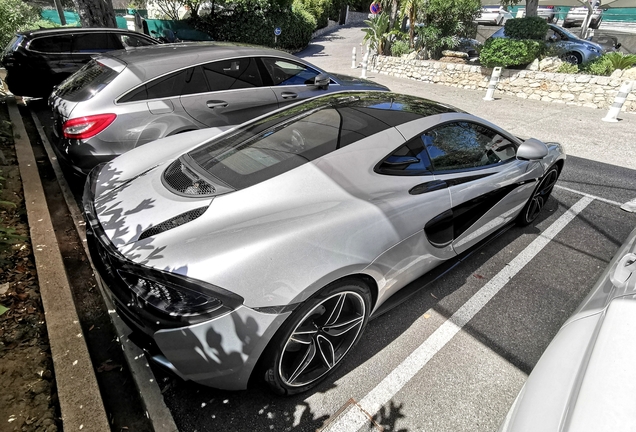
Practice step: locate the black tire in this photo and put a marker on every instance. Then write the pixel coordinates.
(539, 197)
(312, 342)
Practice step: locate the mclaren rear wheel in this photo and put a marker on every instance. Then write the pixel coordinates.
(316, 337)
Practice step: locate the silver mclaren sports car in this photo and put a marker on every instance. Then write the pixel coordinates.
(259, 253)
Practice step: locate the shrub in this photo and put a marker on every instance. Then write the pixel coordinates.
(247, 24)
(510, 52)
(599, 66)
(400, 47)
(534, 28)
(321, 10)
(15, 15)
(568, 68)
(620, 60)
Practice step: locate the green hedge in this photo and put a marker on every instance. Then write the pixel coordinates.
(534, 28)
(510, 52)
(322, 10)
(256, 26)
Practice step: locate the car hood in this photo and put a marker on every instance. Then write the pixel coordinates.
(350, 81)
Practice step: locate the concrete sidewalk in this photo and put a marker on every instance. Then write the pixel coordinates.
(579, 129)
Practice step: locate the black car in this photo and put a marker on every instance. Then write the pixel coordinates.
(37, 60)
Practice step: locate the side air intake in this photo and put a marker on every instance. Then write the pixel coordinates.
(174, 222)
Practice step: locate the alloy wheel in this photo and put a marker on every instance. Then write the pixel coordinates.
(322, 338)
(541, 194)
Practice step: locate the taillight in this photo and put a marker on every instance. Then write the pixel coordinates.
(87, 127)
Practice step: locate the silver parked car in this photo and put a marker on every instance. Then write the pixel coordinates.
(262, 251)
(586, 381)
(573, 49)
(124, 99)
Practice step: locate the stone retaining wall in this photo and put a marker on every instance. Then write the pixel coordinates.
(330, 25)
(583, 90)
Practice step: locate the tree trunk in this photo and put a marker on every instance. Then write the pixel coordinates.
(394, 14)
(412, 26)
(96, 13)
(531, 8)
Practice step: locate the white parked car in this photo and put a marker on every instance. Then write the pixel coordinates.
(493, 15)
(577, 15)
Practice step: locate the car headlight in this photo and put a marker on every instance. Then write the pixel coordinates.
(594, 49)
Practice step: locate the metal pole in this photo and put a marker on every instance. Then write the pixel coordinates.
(620, 99)
(353, 58)
(365, 63)
(60, 12)
(492, 85)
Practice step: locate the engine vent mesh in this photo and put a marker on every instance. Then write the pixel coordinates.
(184, 181)
(173, 222)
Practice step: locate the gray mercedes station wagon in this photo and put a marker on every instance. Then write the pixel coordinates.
(124, 99)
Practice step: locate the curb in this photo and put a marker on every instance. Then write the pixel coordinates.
(156, 409)
(80, 400)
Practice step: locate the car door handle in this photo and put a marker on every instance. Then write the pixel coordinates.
(430, 186)
(216, 104)
(289, 95)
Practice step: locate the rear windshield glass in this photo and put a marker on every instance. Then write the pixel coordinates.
(86, 82)
(284, 141)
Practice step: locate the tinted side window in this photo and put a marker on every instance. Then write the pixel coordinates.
(232, 74)
(164, 87)
(134, 41)
(52, 44)
(95, 42)
(409, 159)
(195, 81)
(286, 72)
(464, 145)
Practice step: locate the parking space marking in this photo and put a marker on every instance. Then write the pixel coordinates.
(353, 420)
(598, 198)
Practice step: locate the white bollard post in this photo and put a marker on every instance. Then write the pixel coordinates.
(365, 63)
(353, 58)
(626, 88)
(492, 85)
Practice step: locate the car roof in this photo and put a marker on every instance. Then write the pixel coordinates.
(152, 61)
(66, 30)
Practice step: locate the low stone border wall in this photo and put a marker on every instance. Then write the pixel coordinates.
(583, 90)
(330, 25)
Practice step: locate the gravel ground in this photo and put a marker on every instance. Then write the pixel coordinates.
(28, 400)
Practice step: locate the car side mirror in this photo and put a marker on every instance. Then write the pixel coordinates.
(321, 81)
(532, 149)
(553, 38)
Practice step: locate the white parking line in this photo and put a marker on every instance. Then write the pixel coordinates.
(353, 420)
(598, 198)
